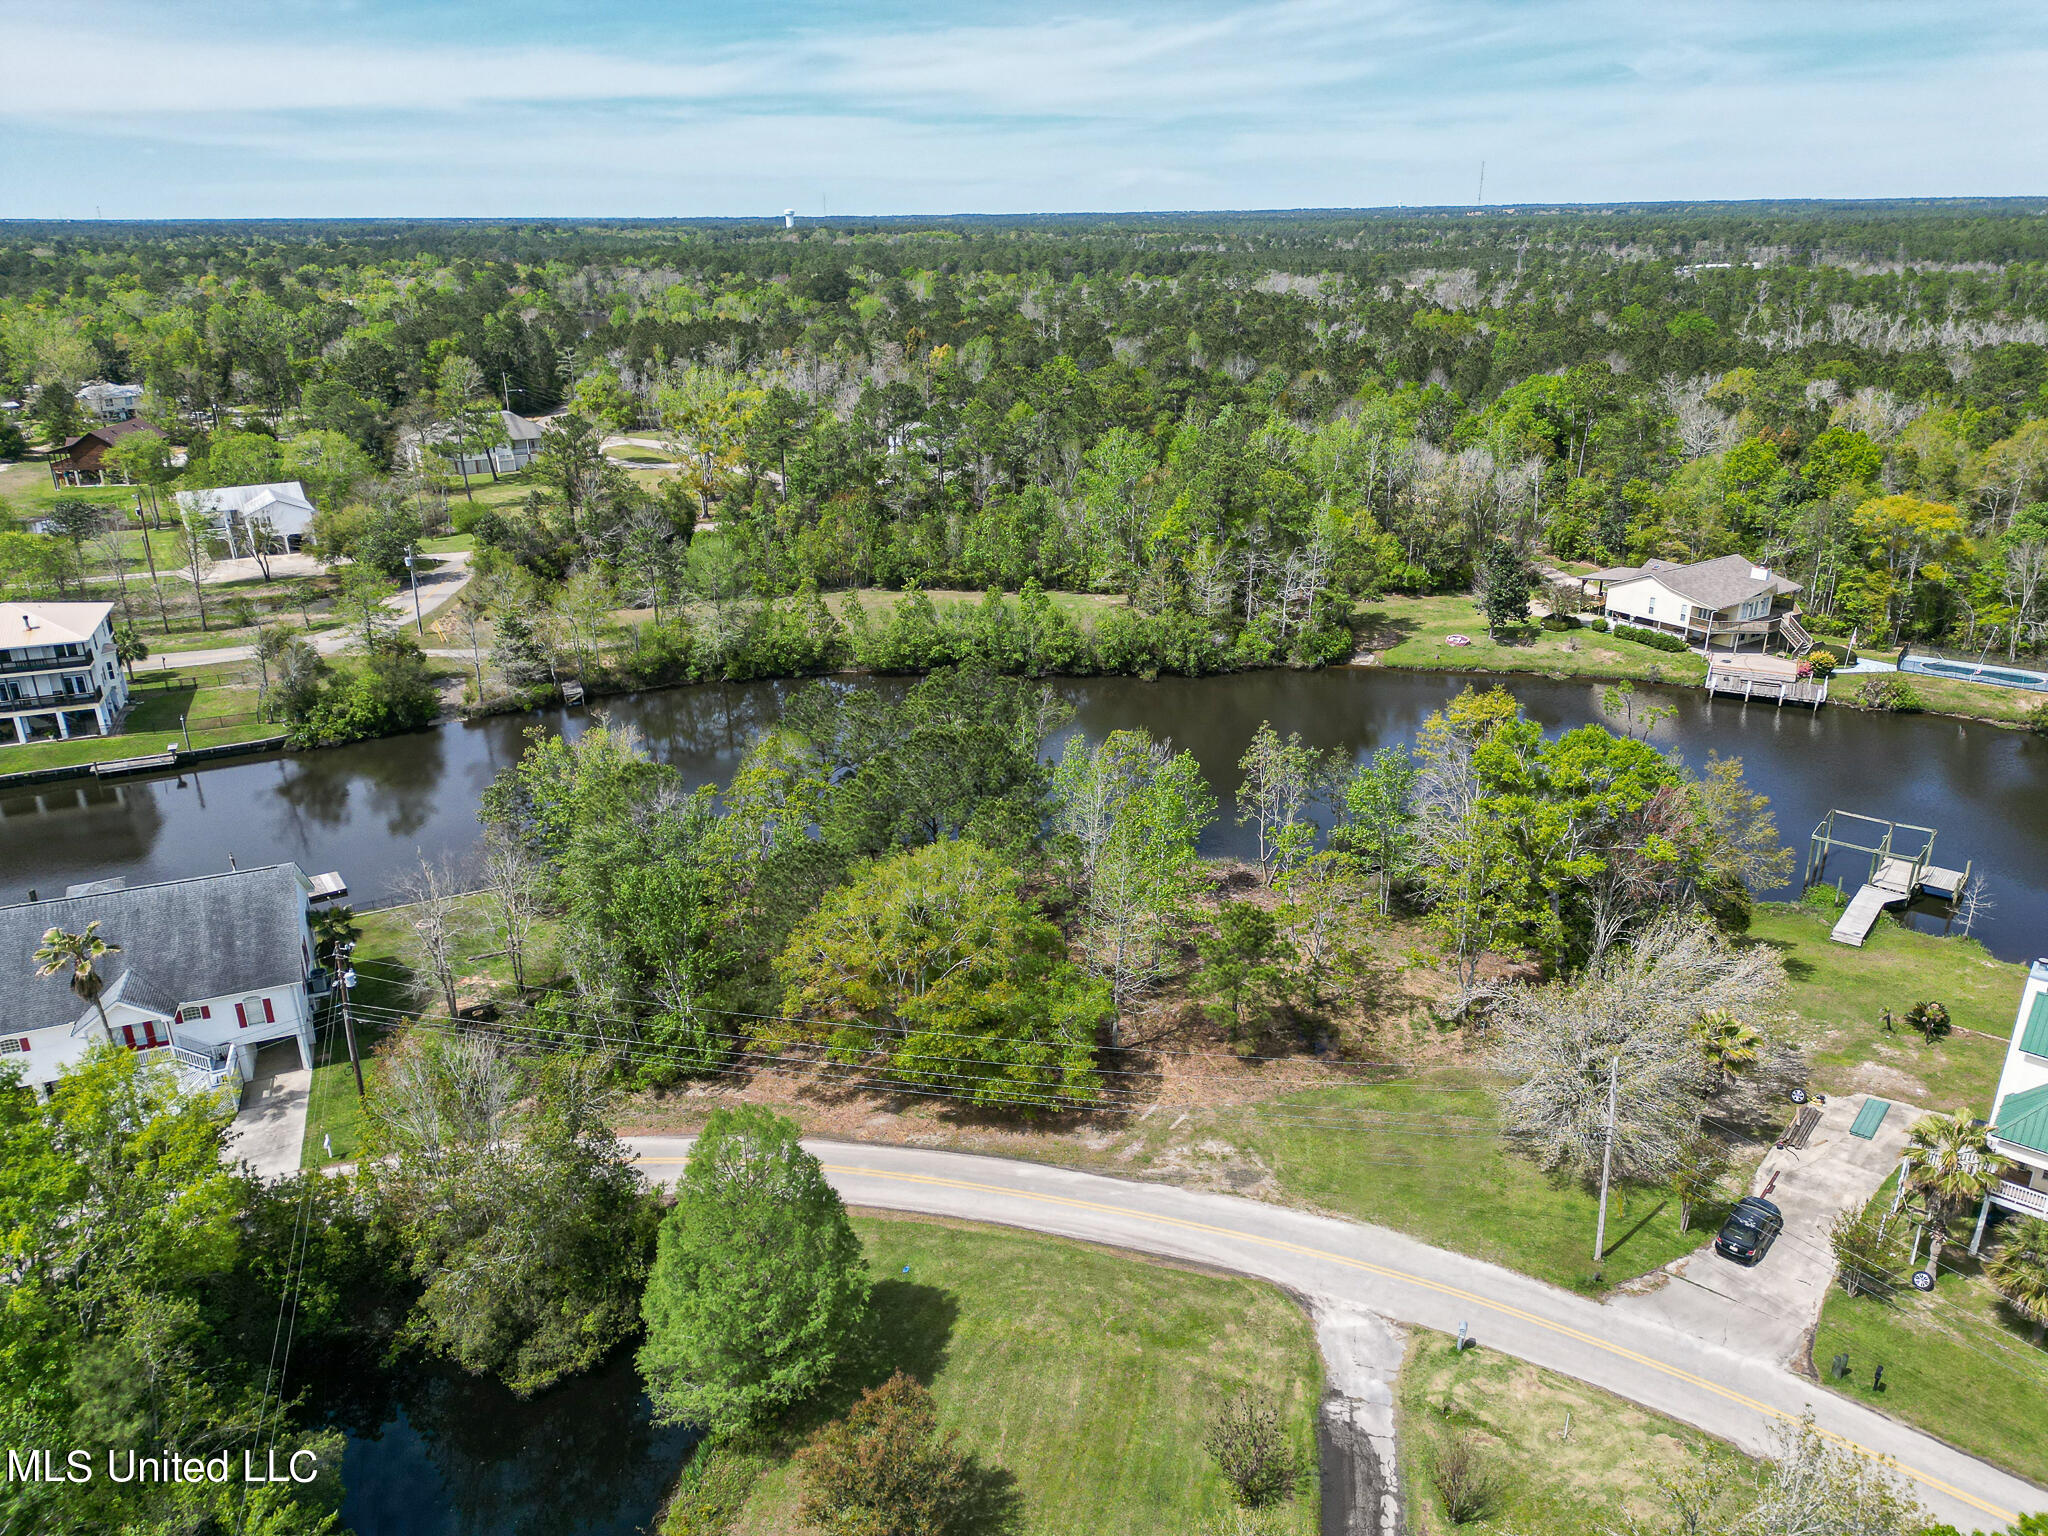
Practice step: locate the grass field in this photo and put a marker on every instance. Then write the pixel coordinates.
(1417, 627)
(1572, 1460)
(1957, 1363)
(1092, 1391)
(162, 698)
(1839, 995)
(1436, 1170)
(384, 987)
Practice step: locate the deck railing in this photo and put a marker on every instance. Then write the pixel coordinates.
(2020, 1197)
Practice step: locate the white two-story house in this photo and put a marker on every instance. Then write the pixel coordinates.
(2019, 1110)
(208, 969)
(520, 448)
(1728, 603)
(59, 676)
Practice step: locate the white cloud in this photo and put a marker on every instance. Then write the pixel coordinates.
(1262, 103)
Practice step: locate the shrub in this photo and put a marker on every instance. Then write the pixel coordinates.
(1822, 663)
(1251, 1449)
(885, 1470)
(1597, 624)
(1888, 693)
(1930, 1019)
(1467, 1477)
(1655, 639)
(1559, 622)
(2037, 719)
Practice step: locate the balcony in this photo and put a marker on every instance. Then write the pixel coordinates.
(43, 704)
(81, 662)
(2020, 1197)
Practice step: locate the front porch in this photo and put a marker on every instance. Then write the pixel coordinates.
(55, 718)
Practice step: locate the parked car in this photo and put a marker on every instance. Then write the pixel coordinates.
(1747, 1234)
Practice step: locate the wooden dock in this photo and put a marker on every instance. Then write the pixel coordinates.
(1734, 680)
(1899, 870)
(120, 765)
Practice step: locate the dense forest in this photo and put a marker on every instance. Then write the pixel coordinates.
(1241, 419)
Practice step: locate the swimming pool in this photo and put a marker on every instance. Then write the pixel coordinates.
(2002, 677)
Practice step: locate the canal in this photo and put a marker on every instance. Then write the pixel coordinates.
(370, 809)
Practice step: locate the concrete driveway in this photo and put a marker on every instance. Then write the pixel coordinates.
(1722, 1387)
(1768, 1309)
(270, 1129)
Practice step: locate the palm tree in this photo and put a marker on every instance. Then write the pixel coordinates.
(1727, 1044)
(1947, 1167)
(2020, 1271)
(80, 954)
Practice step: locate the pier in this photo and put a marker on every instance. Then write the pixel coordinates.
(1901, 867)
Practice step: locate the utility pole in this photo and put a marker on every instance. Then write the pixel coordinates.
(347, 981)
(418, 618)
(1607, 1156)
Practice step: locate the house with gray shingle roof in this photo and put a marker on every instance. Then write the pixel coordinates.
(209, 969)
(1729, 603)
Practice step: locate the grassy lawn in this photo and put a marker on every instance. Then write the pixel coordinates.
(1953, 696)
(1587, 1482)
(1956, 1363)
(1838, 996)
(1417, 626)
(384, 983)
(160, 699)
(1093, 1391)
(1462, 1189)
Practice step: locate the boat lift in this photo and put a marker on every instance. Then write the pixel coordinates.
(1901, 867)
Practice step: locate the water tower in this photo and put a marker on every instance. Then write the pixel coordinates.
(789, 218)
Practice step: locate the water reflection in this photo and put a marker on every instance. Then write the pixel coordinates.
(370, 809)
(456, 1456)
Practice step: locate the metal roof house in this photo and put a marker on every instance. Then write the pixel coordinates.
(1730, 601)
(209, 969)
(2018, 1136)
(273, 519)
(58, 671)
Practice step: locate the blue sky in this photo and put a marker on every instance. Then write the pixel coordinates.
(292, 108)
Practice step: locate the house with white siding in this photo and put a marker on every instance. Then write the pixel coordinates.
(2018, 1137)
(208, 969)
(1730, 603)
(273, 519)
(59, 676)
(520, 448)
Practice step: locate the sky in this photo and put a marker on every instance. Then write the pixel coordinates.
(591, 108)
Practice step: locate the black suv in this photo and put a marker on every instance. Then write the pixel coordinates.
(1747, 1233)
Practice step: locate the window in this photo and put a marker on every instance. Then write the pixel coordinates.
(12, 1046)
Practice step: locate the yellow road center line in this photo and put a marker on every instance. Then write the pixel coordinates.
(1472, 1297)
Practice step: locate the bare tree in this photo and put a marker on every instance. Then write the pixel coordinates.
(196, 528)
(1977, 902)
(512, 875)
(438, 925)
(1632, 1014)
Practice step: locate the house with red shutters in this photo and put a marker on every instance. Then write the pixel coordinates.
(207, 970)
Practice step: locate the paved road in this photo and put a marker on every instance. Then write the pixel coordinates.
(436, 587)
(1739, 1396)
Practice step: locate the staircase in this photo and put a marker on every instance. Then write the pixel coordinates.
(1797, 640)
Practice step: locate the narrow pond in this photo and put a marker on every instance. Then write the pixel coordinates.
(368, 810)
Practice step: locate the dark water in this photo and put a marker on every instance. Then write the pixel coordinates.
(448, 1456)
(367, 810)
